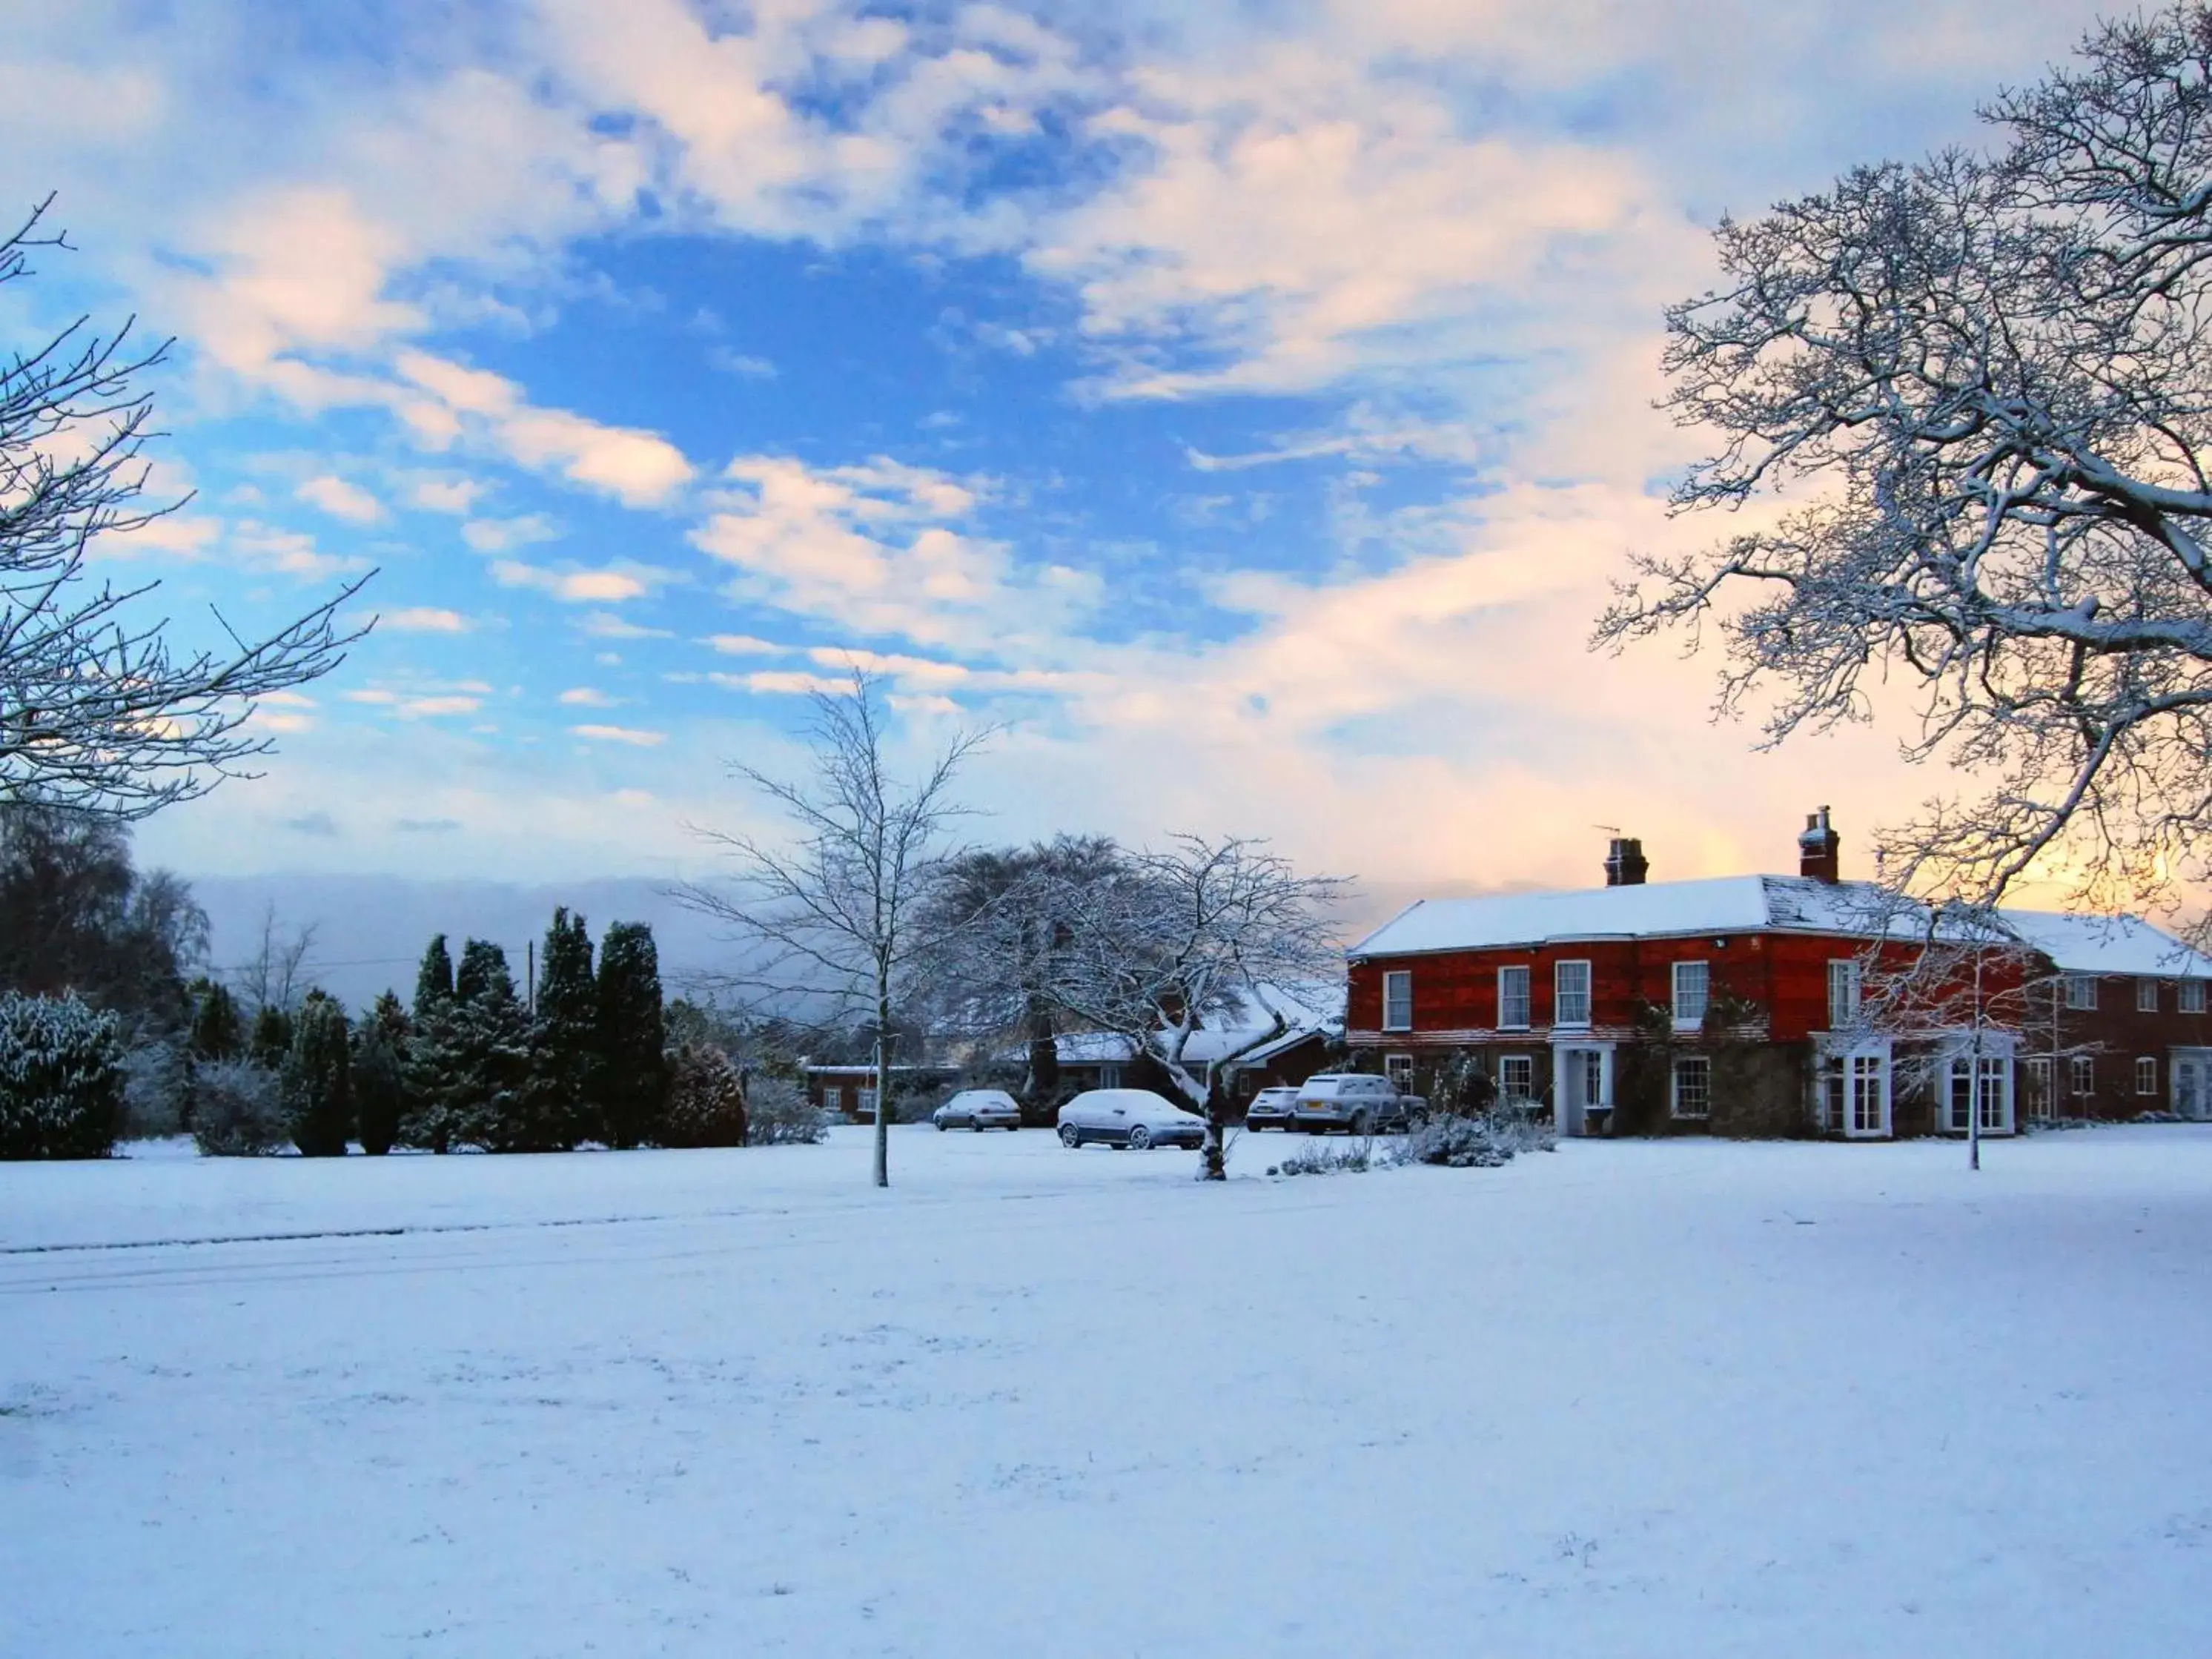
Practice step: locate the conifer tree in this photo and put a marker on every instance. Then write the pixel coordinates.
(272, 1038)
(564, 1092)
(633, 1074)
(434, 980)
(318, 1079)
(486, 1072)
(380, 1096)
(217, 1034)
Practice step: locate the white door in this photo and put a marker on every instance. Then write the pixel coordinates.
(2192, 1076)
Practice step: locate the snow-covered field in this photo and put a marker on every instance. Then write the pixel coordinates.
(1653, 1399)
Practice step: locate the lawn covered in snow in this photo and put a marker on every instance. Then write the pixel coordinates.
(1669, 1398)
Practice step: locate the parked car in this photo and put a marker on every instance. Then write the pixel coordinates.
(1271, 1109)
(1135, 1118)
(1359, 1101)
(979, 1109)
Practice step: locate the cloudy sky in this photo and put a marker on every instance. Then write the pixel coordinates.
(1248, 412)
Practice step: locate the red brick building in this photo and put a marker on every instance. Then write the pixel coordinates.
(1732, 1005)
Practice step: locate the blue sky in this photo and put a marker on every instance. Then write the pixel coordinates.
(1248, 412)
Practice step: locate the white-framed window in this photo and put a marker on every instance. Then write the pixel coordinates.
(1398, 1000)
(1854, 1098)
(1399, 1068)
(1516, 1075)
(1693, 984)
(865, 1101)
(2191, 997)
(1691, 1090)
(2039, 1102)
(1512, 998)
(2081, 990)
(1570, 994)
(1110, 1077)
(1843, 993)
(2146, 996)
(2084, 1070)
(1982, 1080)
(2146, 1075)
(833, 1098)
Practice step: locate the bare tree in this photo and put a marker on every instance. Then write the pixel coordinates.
(839, 916)
(1939, 984)
(277, 975)
(96, 712)
(1194, 932)
(1978, 388)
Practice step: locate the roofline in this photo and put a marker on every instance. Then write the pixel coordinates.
(1762, 928)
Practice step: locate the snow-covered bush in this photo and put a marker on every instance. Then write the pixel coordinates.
(779, 1114)
(1318, 1158)
(61, 1079)
(238, 1109)
(1476, 1142)
(705, 1103)
(157, 1090)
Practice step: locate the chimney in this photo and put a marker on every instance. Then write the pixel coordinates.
(1625, 865)
(1817, 850)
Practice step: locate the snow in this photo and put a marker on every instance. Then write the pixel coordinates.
(2107, 944)
(1629, 1398)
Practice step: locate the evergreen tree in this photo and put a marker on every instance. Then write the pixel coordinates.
(482, 973)
(633, 1073)
(486, 1072)
(272, 1038)
(217, 1033)
(705, 1099)
(379, 1096)
(434, 980)
(61, 1078)
(566, 1037)
(318, 1079)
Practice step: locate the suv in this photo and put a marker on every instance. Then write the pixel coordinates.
(1359, 1101)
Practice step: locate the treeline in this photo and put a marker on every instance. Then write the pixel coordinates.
(110, 1026)
(469, 1062)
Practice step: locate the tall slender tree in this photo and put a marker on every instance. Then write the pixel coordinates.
(566, 1037)
(629, 1036)
(318, 1090)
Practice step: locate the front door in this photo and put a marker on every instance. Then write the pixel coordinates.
(2191, 1073)
(1582, 1086)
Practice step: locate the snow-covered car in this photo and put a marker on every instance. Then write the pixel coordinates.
(978, 1108)
(1359, 1101)
(1136, 1118)
(1271, 1108)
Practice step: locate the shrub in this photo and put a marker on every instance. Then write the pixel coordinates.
(1482, 1142)
(318, 1079)
(238, 1109)
(157, 1090)
(779, 1114)
(61, 1079)
(1318, 1158)
(705, 1103)
(916, 1104)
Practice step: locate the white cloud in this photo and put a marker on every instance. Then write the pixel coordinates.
(504, 535)
(745, 645)
(443, 495)
(604, 625)
(341, 499)
(623, 734)
(423, 619)
(871, 547)
(585, 696)
(610, 585)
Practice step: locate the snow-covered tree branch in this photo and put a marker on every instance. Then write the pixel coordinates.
(97, 711)
(1979, 389)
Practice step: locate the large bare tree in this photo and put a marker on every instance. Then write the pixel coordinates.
(1970, 398)
(837, 917)
(97, 711)
(1199, 930)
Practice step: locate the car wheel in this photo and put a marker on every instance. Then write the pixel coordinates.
(976, 1124)
(1361, 1123)
(942, 1126)
(1070, 1136)
(1140, 1139)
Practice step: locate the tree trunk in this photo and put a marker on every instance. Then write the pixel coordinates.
(1044, 1057)
(883, 1083)
(1213, 1154)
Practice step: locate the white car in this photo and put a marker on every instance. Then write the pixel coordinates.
(978, 1109)
(1273, 1107)
(1136, 1118)
(1361, 1102)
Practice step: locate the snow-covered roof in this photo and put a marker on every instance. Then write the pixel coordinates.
(1719, 904)
(2108, 944)
(1731, 904)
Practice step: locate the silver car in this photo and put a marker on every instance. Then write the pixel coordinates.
(978, 1109)
(1272, 1108)
(1361, 1102)
(1135, 1118)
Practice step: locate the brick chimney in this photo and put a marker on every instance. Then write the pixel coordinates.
(1818, 849)
(1625, 865)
